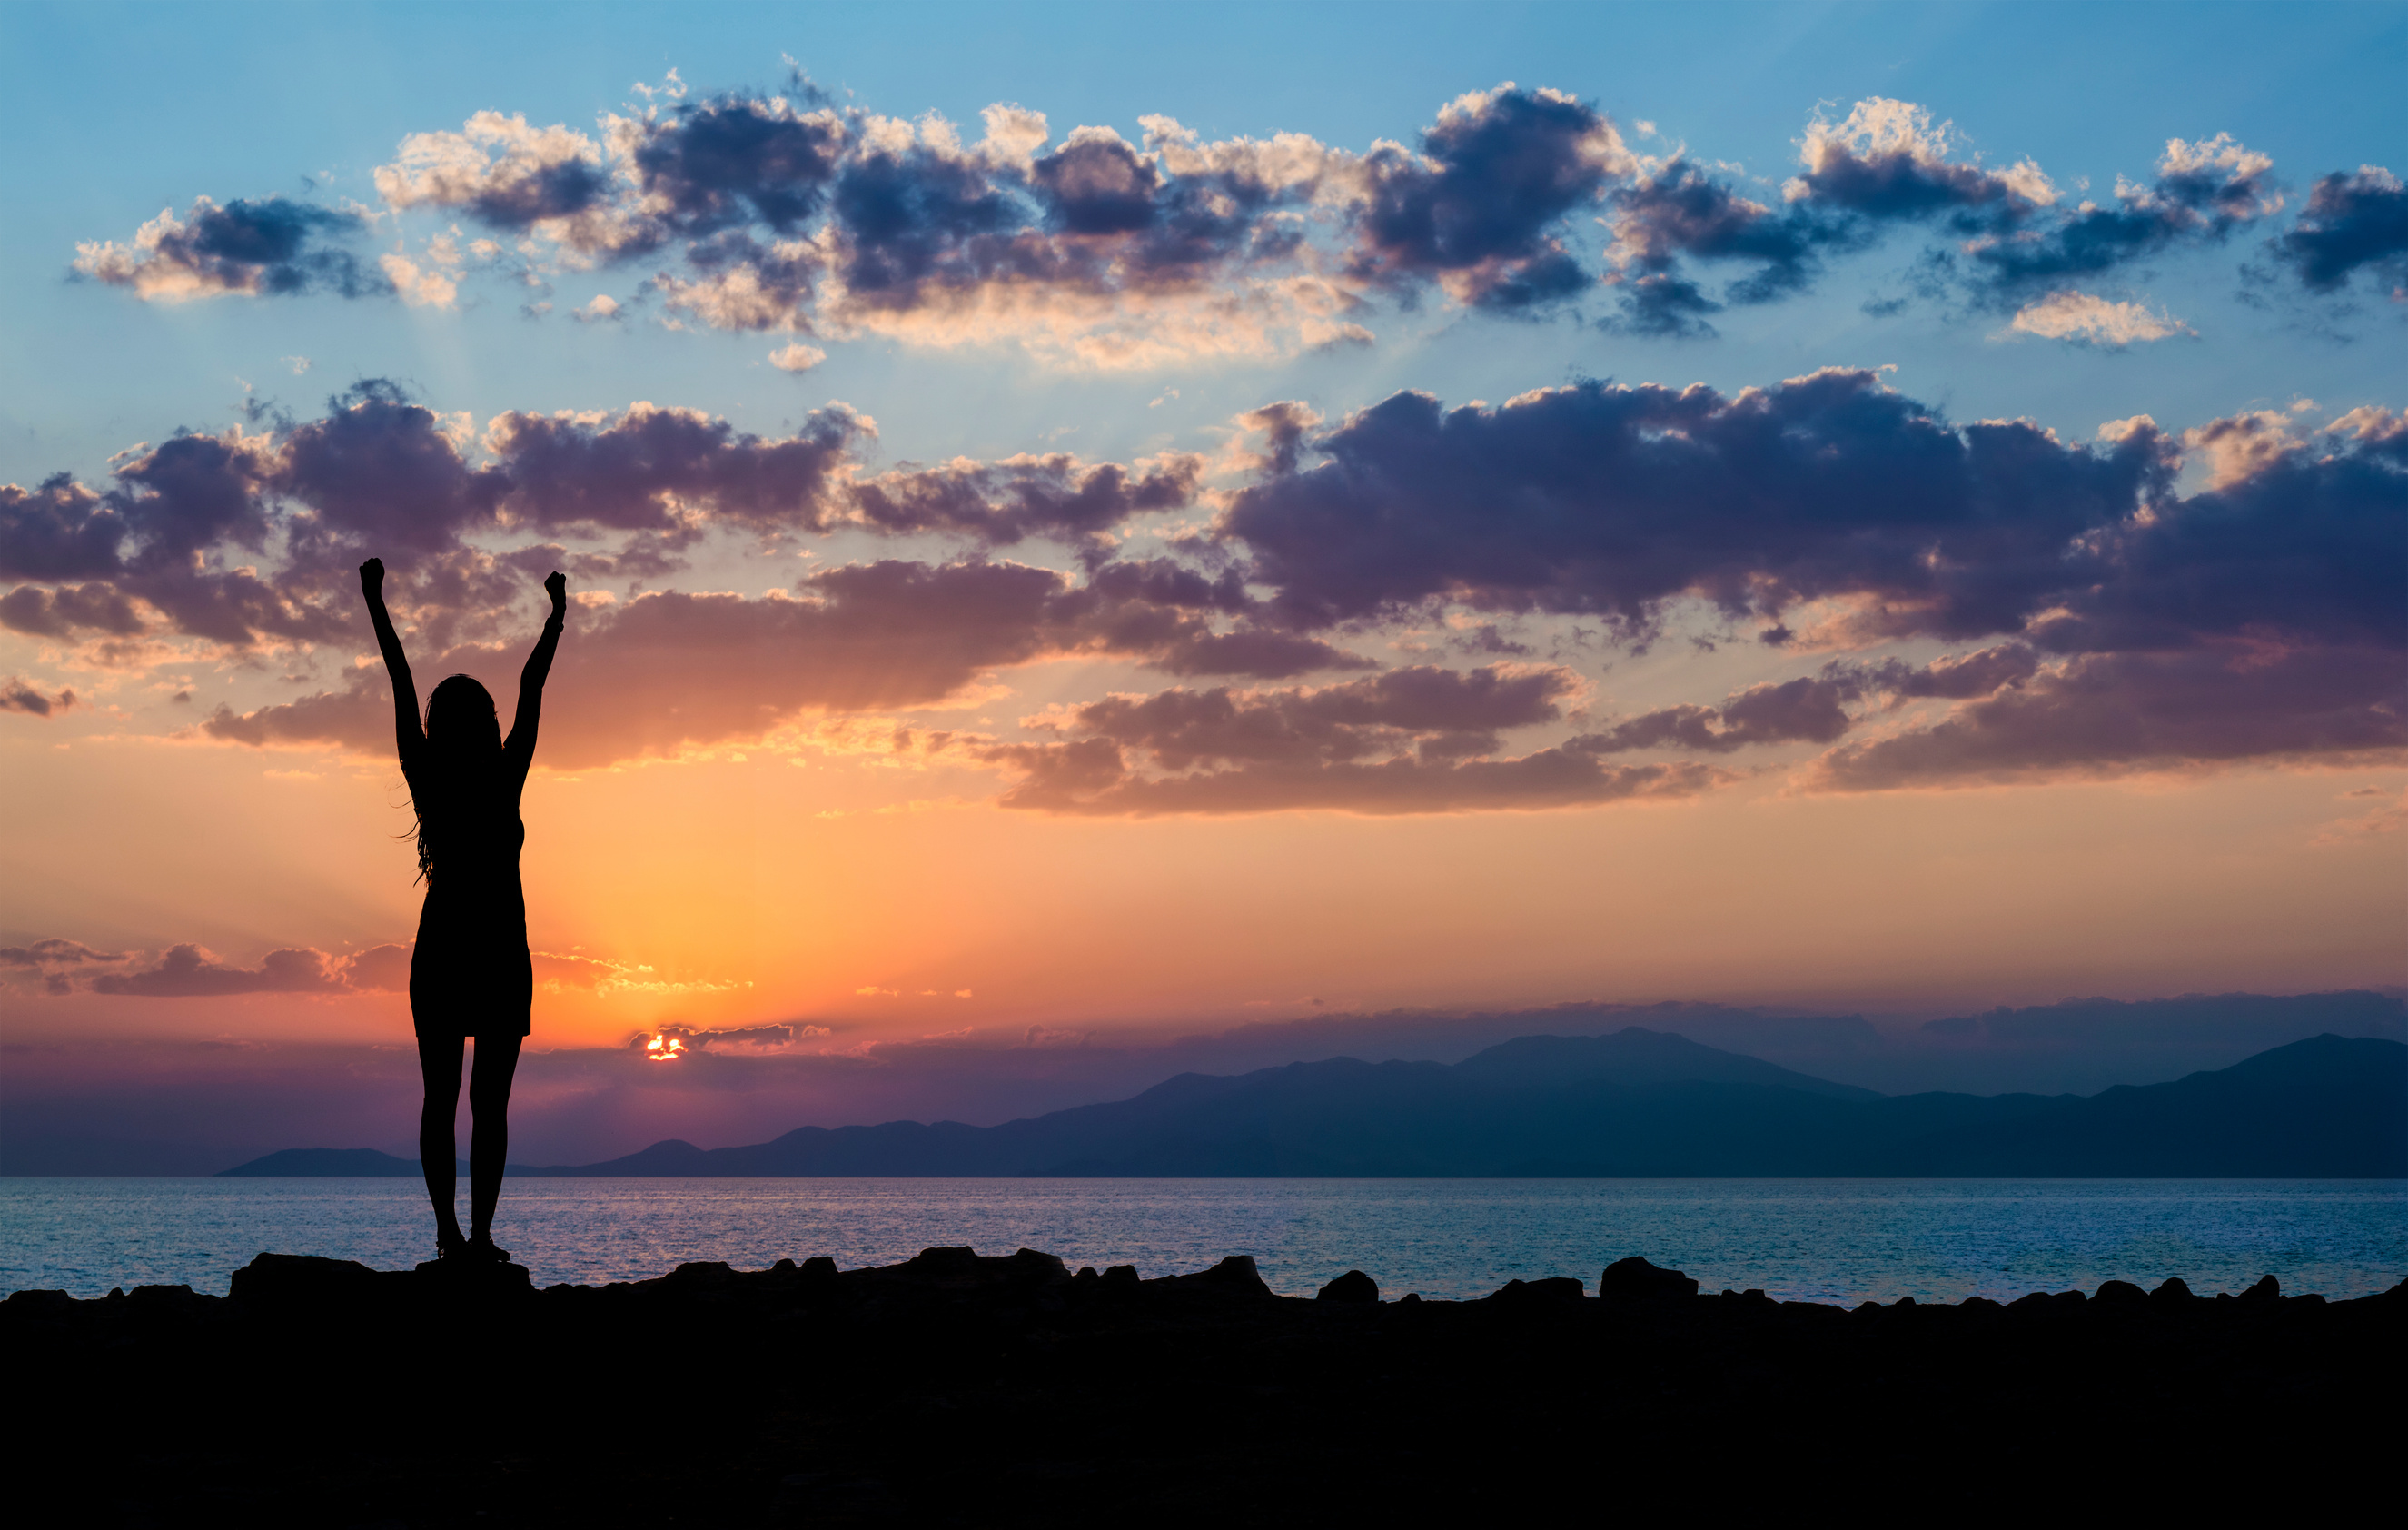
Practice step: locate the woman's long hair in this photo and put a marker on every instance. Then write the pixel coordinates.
(464, 750)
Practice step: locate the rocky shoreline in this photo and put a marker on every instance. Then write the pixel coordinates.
(955, 1388)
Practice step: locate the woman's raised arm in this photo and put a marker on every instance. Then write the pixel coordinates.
(407, 734)
(519, 749)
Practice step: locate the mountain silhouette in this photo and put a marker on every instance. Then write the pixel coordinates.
(1637, 1102)
(329, 1162)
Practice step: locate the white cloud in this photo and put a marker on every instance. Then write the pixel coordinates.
(2070, 315)
(797, 357)
(419, 286)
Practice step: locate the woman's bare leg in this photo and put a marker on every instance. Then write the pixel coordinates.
(489, 1138)
(439, 1150)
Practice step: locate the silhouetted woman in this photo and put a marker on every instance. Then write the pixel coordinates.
(469, 974)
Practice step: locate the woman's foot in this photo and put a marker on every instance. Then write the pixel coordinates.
(481, 1248)
(449, 1245)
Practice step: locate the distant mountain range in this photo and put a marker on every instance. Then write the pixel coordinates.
(1636, 1103)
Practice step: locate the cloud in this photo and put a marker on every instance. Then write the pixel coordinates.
(252, 248)
(797, 357)
(1887, 159)
(2257, 620)
(789, 213)
(2109, 601)
(1886, 163)
(59, 529)
(548, 182)
(670, 470)
(2108, 714)
(379, 969)
(669, 671)
(1679, 211)
(1614, 501)
(190, 971)
(1435, 713)
(420, 286)
(56, 953)
(2201, 193)
(70, 609)
(1057, 495)
(2070, 315)
(1415, 740)
(2352, 224)
(17, 695)
(1477, 212)
(732, 160)
(1806, 708)
(1091, 779)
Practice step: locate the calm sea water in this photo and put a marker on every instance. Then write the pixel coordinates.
(1822, 1240)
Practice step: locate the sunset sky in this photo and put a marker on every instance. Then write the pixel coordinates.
(1123, 521)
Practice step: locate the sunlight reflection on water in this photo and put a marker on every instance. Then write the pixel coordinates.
(1822, 1240)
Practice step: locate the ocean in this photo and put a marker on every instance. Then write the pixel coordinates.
(1831, 1240)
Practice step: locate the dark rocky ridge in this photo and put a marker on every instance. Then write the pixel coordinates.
(960, 1389)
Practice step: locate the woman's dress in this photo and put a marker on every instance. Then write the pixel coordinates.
(470, 974)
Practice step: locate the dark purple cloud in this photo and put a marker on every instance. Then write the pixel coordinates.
(1613, 501)
(272, 245)
(57, 530)
(379, 467)
(1681, 213)
(69, 610)
(1956, 677)
(668, 671)
(2201, 192)
(1000, 503)
(738, 159)
(2112, 714)
(1417, 740)
(1091, 778)
(189, 972)
(1807, 708)
(2352, 224)
(1479, 208)
(17, 695)
(652, 469)
(56, 953)
(1888, 162)
(1433, 713)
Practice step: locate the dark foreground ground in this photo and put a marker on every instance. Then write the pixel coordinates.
(959, 1390)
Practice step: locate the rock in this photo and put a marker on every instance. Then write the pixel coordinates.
(1119, 1274)
(303, 1280)
(1031, 1266)
(1634, 1278)
(1354, 1286)
(1554, 1288)
(2173, 1292)
(818, 1267)
(1235, 1276)
(2268, 1289)
(2120, 1292)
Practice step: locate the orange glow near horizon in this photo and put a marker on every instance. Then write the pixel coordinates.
(862, 901)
